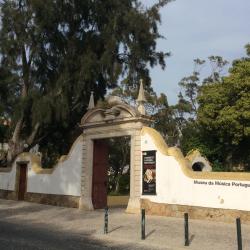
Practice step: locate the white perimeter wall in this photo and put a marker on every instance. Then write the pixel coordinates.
(7, 180)
(174, 187)
(65, 179)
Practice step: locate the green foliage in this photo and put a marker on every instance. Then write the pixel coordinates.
(191, 86)
(3, 132)
(218, 166)
(165, 121)
(124, 182)
(119, 158)
(225, 106)
(195, 137)
(224, 111)
(220, 126)
(53, 53)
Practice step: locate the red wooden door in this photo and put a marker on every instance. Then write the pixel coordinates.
(22, 182)
(100, 176)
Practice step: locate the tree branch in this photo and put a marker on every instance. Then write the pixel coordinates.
(32, 136)
(16, 134)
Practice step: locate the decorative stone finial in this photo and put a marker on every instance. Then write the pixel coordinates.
(141, 99)
(141, 95)
(91, 101)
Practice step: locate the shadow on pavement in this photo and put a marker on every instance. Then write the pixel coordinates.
(115, 228)
(191, 238)
(148, 234)
(16, 236)
(12, 208)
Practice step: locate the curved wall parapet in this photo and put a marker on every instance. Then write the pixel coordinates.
(62, 179)
(178, 184)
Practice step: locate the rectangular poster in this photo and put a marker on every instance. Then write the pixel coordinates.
(149, 172)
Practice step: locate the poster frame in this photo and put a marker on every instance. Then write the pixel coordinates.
(143, 168)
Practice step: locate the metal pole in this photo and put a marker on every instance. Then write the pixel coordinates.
(143, 224)
(186, 229)
(106, 218)
(239, 238)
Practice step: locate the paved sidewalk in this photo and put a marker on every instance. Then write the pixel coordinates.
(124, 229)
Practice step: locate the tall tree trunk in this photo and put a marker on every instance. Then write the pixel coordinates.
(229, 162)
(117, 183)
(120, 170)
(16, 144)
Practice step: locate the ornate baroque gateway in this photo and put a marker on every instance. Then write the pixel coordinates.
(162, 180)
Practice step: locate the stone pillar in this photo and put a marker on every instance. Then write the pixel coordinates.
(134, 204)
(85, 202)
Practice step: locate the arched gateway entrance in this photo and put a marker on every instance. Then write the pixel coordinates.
(119, 119)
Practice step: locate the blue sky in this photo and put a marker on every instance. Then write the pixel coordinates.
(198, 29)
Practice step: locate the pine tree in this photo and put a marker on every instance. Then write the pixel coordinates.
(53, 53)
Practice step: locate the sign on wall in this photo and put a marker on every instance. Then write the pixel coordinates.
(149, 172)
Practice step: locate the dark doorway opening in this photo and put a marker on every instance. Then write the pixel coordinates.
(111, 172)
(197, 166)
(22, 181)
(119, 166)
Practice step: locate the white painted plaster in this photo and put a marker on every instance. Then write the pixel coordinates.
(7, 180)
(65, 179)
(174, 187)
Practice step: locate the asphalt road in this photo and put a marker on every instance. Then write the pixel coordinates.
(30, 226)
(22, 237)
